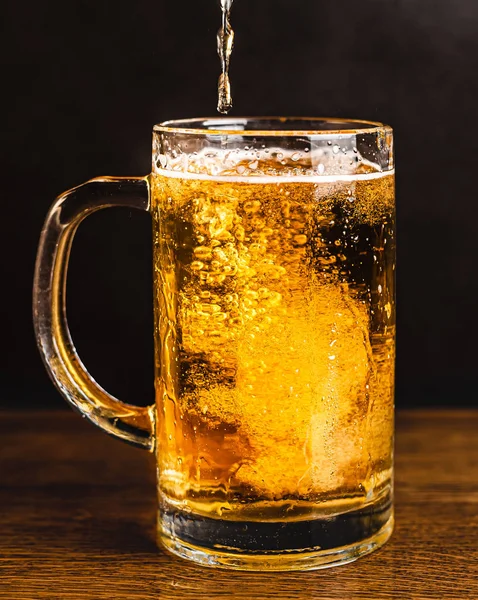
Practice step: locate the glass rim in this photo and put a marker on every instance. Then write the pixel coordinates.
(204, 126)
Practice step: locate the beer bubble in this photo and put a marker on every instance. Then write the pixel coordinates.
(300, 239)
(202, 252)
(252, 206)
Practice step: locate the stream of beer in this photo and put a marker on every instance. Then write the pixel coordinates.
(225, 41)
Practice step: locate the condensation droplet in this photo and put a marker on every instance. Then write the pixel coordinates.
(388, 309)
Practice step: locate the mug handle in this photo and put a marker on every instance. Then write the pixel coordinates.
(133, 424)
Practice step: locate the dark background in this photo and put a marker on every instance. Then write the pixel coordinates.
(83, 83)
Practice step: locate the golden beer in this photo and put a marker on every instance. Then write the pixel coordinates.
(275, 312)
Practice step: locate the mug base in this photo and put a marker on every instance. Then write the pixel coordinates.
(328, 550)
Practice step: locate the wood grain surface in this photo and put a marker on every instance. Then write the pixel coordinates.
(78, 508)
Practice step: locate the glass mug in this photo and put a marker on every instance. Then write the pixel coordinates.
(274, 264)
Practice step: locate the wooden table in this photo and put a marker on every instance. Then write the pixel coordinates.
(78, 510)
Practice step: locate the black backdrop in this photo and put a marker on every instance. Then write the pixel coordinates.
(83, 83)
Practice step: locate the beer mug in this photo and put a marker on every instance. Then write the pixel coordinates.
(274, 327)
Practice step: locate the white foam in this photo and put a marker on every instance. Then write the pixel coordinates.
(274, 178)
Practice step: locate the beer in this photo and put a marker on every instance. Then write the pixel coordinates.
(274, 368)
(225, 42)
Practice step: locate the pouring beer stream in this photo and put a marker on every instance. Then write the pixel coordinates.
(225, 42)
